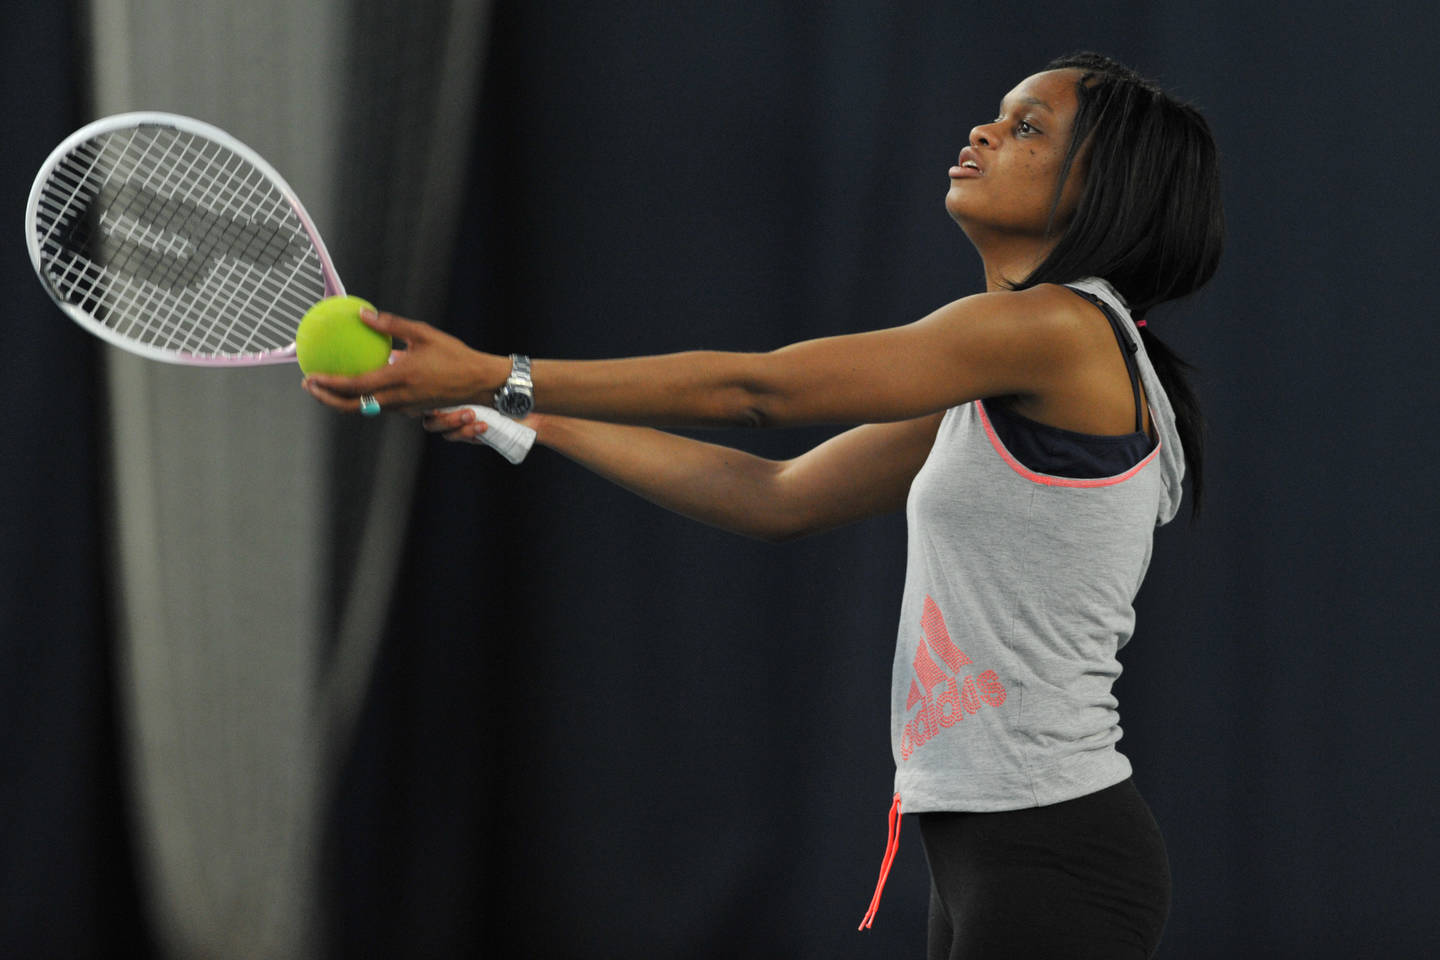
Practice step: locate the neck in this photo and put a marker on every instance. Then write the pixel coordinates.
(1010, 258)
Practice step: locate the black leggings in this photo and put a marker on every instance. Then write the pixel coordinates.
(1086, 879)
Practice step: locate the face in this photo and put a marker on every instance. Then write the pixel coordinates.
(1004, 182)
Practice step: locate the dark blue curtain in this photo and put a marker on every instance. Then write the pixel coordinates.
(67, 884)
(601, 731)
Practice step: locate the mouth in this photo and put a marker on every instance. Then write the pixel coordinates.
(967, 166)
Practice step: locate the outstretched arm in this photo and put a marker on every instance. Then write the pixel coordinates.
(863, 472)
(1008, 343)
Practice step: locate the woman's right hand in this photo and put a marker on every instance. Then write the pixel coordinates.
(434, 369)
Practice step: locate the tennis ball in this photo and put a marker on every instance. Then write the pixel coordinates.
(332, 339)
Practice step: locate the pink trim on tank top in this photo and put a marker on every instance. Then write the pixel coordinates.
(1047, 479)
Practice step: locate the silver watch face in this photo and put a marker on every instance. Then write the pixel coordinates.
(514, 403)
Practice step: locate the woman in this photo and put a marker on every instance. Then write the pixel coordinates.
(1036, 435)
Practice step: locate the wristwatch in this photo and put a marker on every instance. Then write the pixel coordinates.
(517, 396)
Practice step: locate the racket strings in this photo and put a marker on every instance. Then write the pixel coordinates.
(158, 313)
(175, 241)
(226, 178)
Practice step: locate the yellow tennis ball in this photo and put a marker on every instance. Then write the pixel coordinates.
(332, 339)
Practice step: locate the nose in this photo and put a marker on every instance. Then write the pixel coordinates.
(985, 134)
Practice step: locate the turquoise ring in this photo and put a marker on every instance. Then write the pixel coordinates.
(369, 405)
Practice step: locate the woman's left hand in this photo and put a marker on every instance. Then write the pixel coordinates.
(433, 369)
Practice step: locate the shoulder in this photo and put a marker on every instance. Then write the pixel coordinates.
(1048, 307)
(1046, 321)
(1036, 342)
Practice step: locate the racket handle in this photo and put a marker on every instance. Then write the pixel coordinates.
(512, 440)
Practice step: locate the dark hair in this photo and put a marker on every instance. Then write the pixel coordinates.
(1149, 218)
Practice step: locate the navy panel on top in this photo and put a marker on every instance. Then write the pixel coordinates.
(1058, 452)
(1065, 453)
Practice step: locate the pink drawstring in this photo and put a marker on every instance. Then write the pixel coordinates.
(892, 846)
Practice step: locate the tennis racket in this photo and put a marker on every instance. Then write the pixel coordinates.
(170, 239)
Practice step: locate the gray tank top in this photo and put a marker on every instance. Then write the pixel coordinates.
(1019, 591)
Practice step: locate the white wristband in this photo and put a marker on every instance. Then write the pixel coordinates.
(510, 439)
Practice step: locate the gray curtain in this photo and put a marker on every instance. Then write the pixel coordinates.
(257, 536)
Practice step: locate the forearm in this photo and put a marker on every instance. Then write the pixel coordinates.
(971, 348)
(698, 388)
(833, 380)
(717, 485)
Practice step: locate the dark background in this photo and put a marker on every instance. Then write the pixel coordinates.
(598, 730)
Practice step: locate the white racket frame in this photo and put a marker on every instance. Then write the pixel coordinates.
(123, 121)
(513, 440)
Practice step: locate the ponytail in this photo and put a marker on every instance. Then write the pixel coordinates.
(1171, 370)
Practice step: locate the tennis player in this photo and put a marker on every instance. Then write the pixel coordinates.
(1035, 435)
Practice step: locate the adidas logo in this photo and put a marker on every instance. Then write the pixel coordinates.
(944, 699)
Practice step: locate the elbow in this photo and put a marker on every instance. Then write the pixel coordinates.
(754, 416)
(737, 408)
(746, 407)
(787, 534)
(785, 517)
(753, 400)
(771, 532)
(769, 510)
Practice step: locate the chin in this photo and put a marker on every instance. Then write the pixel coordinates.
(955, 205)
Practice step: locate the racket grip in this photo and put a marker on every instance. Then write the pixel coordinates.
(512, 440)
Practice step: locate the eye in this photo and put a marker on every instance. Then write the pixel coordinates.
(1025, 128)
